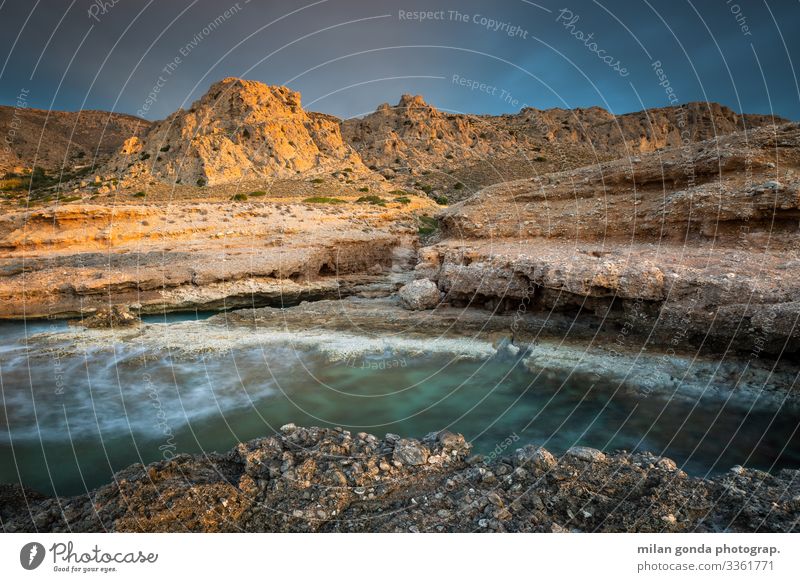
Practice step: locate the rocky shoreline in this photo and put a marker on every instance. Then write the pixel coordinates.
(330, 480)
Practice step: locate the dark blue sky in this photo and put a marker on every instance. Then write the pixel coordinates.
(347, 57)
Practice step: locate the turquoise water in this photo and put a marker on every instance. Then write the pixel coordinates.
(70, 422)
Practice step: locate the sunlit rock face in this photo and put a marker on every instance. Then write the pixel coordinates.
(238, 129)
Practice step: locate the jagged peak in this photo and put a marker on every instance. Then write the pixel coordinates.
(407, 100)
(252, 92)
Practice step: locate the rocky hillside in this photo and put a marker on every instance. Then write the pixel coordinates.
(246, 130)
(421, 146)
(316, 479)
(56, 139)
(238, 130)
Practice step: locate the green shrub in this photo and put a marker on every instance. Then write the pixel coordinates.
(458, 186)
(441, 200)
(139, 194)
(363, 189)
(427, 225)
(144, 156)
(35, 179)
(371, 199)
(240, 197)
(258, 193)
(201, 182)
(540, 159)
(324, 200)
(403, 200)
(317, 181)
(165, 148)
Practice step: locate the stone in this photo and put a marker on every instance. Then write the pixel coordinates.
(536, 457)
(420, 294)
(111, 317)
(667, 464)
(410, 452)
(585, 454)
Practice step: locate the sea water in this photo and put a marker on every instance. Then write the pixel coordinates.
(70, 421)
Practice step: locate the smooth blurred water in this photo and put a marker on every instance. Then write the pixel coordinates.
(69, 423)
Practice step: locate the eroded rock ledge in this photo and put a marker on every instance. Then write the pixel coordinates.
(314, 479)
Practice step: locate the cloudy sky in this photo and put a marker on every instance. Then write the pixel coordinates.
(346, 56)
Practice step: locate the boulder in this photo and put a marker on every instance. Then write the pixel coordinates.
(420, 294)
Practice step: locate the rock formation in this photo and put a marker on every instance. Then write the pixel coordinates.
(238, 130)
(701, 239)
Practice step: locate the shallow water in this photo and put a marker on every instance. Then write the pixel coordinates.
(71, 421)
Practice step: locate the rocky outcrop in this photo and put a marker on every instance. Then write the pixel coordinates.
(238, 130)
(330, 480)
(696, 244)
(71, 260)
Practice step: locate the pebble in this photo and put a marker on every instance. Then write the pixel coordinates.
(585, 454)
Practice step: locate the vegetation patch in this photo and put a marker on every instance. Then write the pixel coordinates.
(258, 193)
(371, 199)
(324, 200)
(30, 180)
(240, 197)
(139, 194)
(427, 225)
